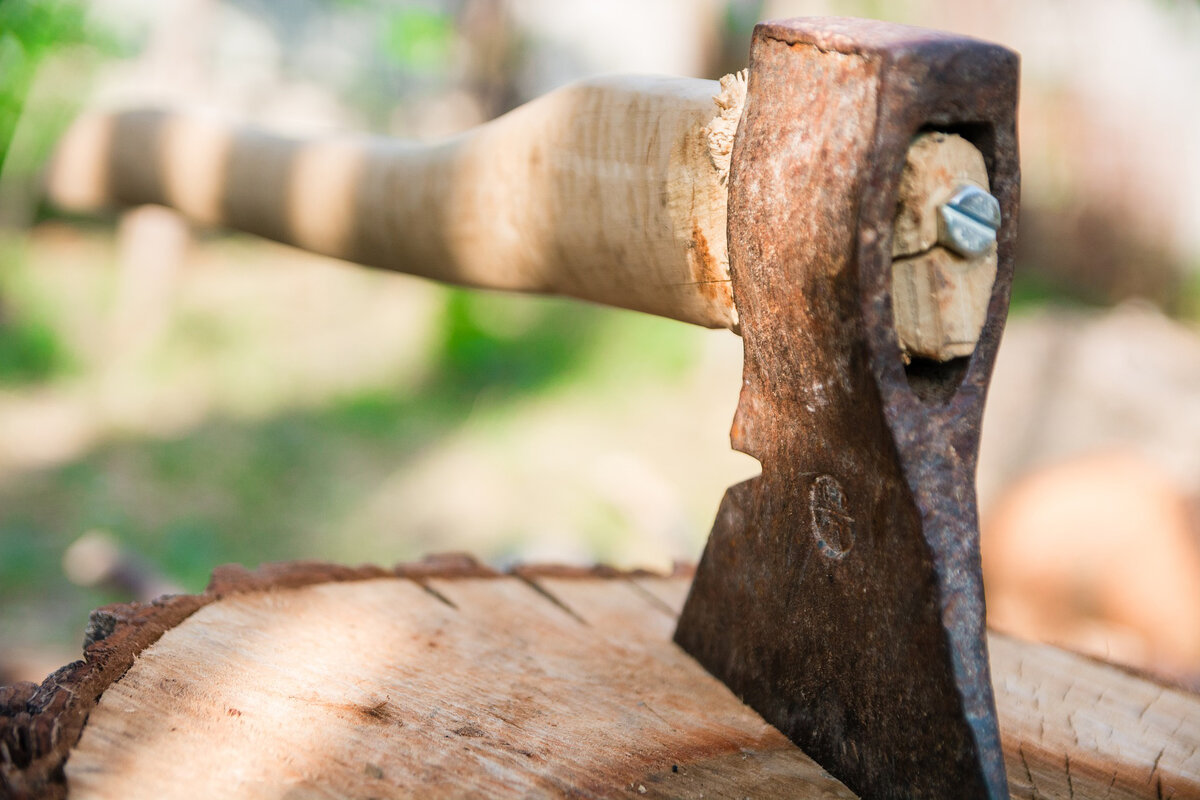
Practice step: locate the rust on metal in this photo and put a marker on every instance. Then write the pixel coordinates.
(840, 593)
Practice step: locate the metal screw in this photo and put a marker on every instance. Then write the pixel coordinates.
(968, 221)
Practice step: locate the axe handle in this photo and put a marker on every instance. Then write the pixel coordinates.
(612, 190)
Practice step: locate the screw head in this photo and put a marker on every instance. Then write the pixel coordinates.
(968, 221)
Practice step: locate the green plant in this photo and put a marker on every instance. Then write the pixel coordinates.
(31, 349)
(29, 30)
(514, 344)
(418, 39)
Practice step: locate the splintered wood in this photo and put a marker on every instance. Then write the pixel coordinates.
(546, 683)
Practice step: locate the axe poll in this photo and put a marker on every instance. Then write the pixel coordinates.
(849, 209)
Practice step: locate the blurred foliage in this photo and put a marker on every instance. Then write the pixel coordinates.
(31, 350)
(1031, 289)
(26, 559)
(31, 33)
(1085, 252)
(490, 341)
(1189, 296)
(288, 485)
(245, 491)
(29, 30)
(403, 54)
(41, 25)
(418, 39)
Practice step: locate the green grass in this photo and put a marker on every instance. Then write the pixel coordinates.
(1032, 290)
(31, 348)
(30, 352)
(285, 485)
(1188, 301)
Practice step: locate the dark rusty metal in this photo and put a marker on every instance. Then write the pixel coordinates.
(840, 593)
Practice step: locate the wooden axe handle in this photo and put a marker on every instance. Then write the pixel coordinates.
(611, 190)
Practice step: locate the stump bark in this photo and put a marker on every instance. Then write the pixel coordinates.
(447, 679)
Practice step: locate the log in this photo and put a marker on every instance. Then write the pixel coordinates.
(447, 679)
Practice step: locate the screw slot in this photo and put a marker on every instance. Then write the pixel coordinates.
(968, 221)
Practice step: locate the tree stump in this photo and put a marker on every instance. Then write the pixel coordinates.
(447, 679)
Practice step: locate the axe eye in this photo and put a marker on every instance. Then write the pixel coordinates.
(941, 282)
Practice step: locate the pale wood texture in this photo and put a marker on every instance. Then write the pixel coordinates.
(612, 190)
(473, 687)
(939, 298)
(1074, 727)
(448, 680)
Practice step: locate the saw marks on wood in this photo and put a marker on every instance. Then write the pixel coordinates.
(488, 687)
(1074, 727)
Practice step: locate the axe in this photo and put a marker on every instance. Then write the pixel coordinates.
(849, 208)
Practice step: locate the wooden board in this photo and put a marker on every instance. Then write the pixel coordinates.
(445, 679)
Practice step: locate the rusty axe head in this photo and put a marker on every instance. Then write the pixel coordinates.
(840, 592)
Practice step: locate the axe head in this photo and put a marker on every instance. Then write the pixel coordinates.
(840, 593)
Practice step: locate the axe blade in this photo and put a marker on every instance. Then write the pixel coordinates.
(840, 593)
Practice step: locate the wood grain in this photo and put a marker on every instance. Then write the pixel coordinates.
(610, 190)
(483, 687)
(1075, 727)
(446, 679)
(939, 298)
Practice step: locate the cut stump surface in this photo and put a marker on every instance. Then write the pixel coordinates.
(445, 679)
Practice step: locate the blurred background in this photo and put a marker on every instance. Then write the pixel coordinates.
(172, 399)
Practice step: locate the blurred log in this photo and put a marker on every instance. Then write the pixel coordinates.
(445, 679)
(1099, 554)
(152, 247)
